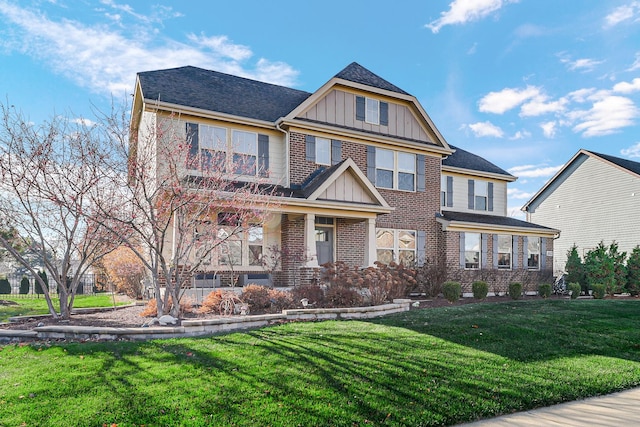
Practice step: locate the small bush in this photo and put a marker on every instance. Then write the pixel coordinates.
(211, 303)
(451, 291)
(24, 285)
(480, 289)
(544, 290)
(342, 296)
(151, 309)
(5, 286)
(280, 300)
(257, 297)
(515, 290)
(313, 293)
(599, 290)
(575, 289)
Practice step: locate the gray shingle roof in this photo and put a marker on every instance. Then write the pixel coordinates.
(356, 73)
(466, 160)
(224, 93)
(623, 163)
(494, 220)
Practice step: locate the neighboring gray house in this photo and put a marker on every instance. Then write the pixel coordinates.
(594, 197)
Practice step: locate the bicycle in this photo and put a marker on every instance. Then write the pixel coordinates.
(232, 304)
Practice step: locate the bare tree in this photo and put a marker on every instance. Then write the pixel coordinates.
(183, 211)
(51, 175)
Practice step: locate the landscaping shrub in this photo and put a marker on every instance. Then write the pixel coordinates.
(599, 290)
(633, 272)
(24, 285)
(515, 290)
(257, 297)
(429, 278)
(151, 309)
(342, 296)
(451, 291)
(480, 289)
(574, 289)
(313, 293)
(5, 286)
(280, 300)
(575, 269)
(544, 290)
(45, 279)
(211, 303)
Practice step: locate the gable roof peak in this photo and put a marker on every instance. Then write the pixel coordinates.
(356, 73)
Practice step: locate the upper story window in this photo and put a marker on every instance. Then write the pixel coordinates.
(395, 170)
(504, 251)
(323, 151)
(533, 253)
(372, 111)
(480, 195)
(472, 251)
(446, 191)
(211, 150)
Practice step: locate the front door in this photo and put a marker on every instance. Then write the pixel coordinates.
(324, 244)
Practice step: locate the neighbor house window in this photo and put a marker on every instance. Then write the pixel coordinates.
(481, 195)
(323, 151)
(533, 253)
(245, 152)
(504, 251)
(395, 170)
(472, 250)
(372, 111)
(255, 244)
(213, 147)
(396, 245)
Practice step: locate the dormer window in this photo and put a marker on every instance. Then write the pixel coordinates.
(372, 111)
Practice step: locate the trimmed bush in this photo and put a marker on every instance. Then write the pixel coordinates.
(515, 290)
(544, 290)
(574, 288)
(314, 294)
(480, 289)
(342, 296)
(211, 303)
(280, 300)
(24, 285)
(451, 291)
(5, 286)
(257, 297)
(599, 290)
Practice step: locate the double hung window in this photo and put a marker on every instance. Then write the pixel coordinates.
(396, 245)
(472, 251)
(533, 253)
(395, 170)
(504, 251)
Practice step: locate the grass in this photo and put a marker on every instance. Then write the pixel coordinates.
(29, 306)
(425, 367)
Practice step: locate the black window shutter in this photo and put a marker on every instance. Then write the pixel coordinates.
(384, 114)
(192, 140)
(336, 151)
(543, 253)
(263, 155)
(484, 238)
(371, 164)
(420, 178)
(360, 108)
(471, 194)
(490, 196)
(449, 191)
(311, 148)
(462, 261)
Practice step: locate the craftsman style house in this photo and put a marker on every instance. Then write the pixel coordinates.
(361, 175)
(607, 212)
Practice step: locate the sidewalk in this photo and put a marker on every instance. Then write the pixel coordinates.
(618, 409)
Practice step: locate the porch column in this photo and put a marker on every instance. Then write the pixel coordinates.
(311, 257)
(370, 255)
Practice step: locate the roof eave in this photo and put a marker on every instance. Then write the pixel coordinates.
(474, 172)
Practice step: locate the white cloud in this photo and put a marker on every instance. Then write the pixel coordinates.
(106, 60)
(633, 151)
(540, 105)
(581, 95)
(486, 129)
(516, 193)
(606, 116)
(622, 13)
(506, 99)
(521, 134)
(549, 128)
(625, 87)
(584, 64)
(463, 11)
(636, 63)
(534, 171)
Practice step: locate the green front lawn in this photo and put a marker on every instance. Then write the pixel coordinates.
(33, 305)
(425, 367)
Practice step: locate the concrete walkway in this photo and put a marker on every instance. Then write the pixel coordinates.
(618, 409)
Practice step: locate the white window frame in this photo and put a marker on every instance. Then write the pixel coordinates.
(533, 253)
(323, 151)
(372, 111)
(397, 247)
(480, 192)
(396, 170)
(250, 153)
(469, 250)
(506, 238)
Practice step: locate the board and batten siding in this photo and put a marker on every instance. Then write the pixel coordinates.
(339, 107)
(346, 188)
(461, 196)
(597, 202)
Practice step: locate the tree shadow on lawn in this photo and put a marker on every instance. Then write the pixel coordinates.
(537, 330)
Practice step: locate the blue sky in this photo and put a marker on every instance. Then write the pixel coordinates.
(524, 83)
